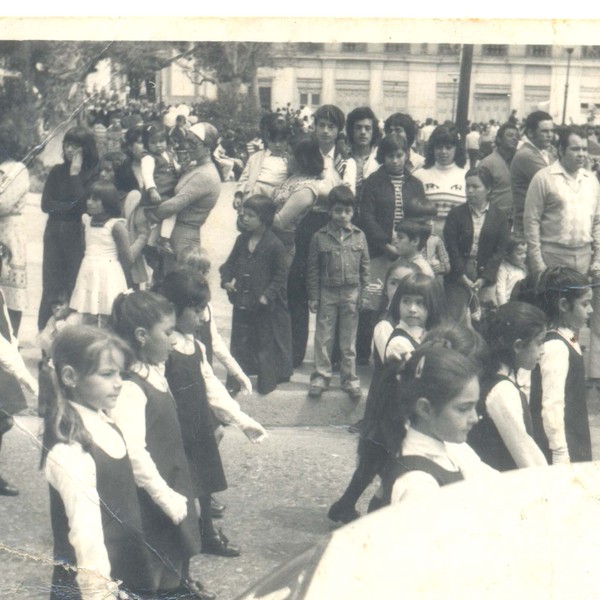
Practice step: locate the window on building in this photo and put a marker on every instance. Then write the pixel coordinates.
(310, 99)
(309, 47)
(353, 47)
(264, 97)
(539, 51)
(590, 51)
(494, 50)
(448, 49)
(398, 48)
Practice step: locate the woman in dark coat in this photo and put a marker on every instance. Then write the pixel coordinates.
(63, 200)
(255, 276)
(385, 193)
(476, 236)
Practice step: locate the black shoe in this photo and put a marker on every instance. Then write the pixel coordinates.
(197, 588)
(342, 514)
(216, 508)
(6, 489)
(219, 545)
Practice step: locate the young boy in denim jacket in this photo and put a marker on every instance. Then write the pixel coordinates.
(338, 269)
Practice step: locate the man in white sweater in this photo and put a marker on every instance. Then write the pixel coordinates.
(562, 222)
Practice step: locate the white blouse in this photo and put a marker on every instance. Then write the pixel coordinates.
(452, 457)
(72, 473)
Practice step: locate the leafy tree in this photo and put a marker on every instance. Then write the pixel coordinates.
(230, 65)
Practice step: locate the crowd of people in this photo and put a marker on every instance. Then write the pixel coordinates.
(465, 288)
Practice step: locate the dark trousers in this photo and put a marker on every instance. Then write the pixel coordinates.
(367, 320)
(63, 252)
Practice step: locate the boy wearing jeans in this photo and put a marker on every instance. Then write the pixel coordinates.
(338, 269)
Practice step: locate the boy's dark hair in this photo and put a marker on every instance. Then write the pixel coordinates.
(414, 229)
(401, 120)
(513, 243)
(484, 174)
(263, 206)
(359, 114)
(276, 129)
(389, 144)
(330, 113)
(107, 193)
(341, 194)
(184, 289)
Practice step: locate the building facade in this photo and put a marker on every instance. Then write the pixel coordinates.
(422, 79)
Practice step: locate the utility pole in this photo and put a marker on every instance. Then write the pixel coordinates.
(464, 85)
(569, 52)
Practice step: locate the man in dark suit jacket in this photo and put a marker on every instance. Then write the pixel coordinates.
(476, 235)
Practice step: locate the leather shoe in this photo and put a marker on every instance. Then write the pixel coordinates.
(342, 514)
(216, 508)
(6, 489)
(219, 545)
(197, 588)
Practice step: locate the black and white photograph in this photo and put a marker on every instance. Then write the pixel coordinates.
(299, 308)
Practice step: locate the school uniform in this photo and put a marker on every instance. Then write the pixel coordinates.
(558, 400)
(188, 387)
(505, 407)
(391, 347)
(426, 464)
(146, 413)
(95, 515)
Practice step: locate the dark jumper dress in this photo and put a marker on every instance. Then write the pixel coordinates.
(485, 438)
(577, 426)
(196, 420)
(122, 526)
(378, 428)
(405, 464)
(174, 544)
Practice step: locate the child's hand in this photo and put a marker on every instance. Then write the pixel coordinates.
(254, 431)
(245, 383)
(175, 507)
(154, 196)
(31, 385)
(313, 306)
(478, 284)
(263, 300)
(230, 286)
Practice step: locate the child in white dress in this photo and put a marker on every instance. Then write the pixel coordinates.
(101, 277)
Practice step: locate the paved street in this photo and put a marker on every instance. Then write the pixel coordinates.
(278, 491)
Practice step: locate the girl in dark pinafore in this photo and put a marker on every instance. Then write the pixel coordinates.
(197, 393)
(146, 413)
(558, 392)
(94, 508)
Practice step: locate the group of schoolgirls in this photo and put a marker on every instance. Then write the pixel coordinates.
(448, 403)
(131, 444)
